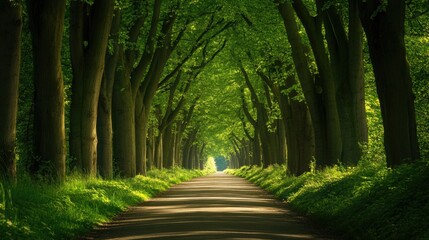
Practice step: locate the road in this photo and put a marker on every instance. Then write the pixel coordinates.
(217, 206)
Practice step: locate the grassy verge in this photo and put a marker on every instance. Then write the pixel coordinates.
(41, 211)
(364, 202)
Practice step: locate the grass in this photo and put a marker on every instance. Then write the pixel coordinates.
(41, 211)
(369, 201)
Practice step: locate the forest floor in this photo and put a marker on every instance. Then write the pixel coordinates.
(218, 206)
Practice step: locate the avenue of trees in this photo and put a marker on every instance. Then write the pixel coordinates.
(117, 87)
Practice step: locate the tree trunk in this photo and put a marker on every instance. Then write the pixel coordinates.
(10, 60)
(300, 138)
(178, 155)
(168, 149)
(329, 108)
(141, 139)
(105, 129)
(185, 155)
(187, 149)
(356, 76)
(309, 86)
(47, 24)
(200, 155)
(104, 117)
(124, 140)
(88, 66)
(150, 147)
(346, 55)
(256, 150)
(385, 36)
(158, 152)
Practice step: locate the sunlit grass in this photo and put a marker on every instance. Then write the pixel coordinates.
(369, 201)
(42, 211)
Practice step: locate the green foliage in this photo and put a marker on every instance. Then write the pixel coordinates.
(39, 211)
(369, 201)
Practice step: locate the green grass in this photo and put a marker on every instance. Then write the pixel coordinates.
(369, 201)
(42, 211)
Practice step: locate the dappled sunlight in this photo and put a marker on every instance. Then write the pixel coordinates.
(222, 234)
(213, 207)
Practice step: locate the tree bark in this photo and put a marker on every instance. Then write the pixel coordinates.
(297, 123)
(301, 139)
(150, 147)
(168, 149)
(256, 150)
(346, 56)
(135, 84)
(10, 59)
(187, 149)
(104, 117)
(177, 149)
(124, 122)
(141, 139)
(385, 35)
(89, 37)
(324, 154)
(47, 24)
(330, 116)
(158, 152)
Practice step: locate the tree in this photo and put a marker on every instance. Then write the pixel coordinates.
(104, 116)
(178, 91)
(90, 28)
(164, 158)
(296, 120)
(271, 136)
(10, 59)
(383, 22)
(335, 96)
(327, 126)
(46, 23)
(345, 45)
(129, 141)
(141, 74)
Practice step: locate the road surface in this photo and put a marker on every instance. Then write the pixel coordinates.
(217, 206)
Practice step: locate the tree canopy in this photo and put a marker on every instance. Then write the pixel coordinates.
(113, 88)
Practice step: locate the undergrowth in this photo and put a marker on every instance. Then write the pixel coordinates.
(369, 201)
(31, 210)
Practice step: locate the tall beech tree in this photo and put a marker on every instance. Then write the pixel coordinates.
(296, 121)
(383, 22)
(179, 131)
(305, 77)
(89, 31)
(273, 148)
(10, 59)
(328, 139)
(133, 77)
(104, 116)
(46, 24)
(335, 96)
(164, 155)
(125, 91)
(345, 45)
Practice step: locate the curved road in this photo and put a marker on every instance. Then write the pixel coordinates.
(218, 206)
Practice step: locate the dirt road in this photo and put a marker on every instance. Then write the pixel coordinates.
(218, 206)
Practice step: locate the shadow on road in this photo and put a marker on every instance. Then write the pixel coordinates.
(219, 206)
